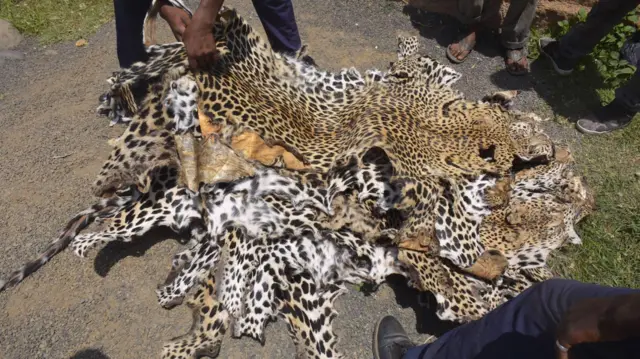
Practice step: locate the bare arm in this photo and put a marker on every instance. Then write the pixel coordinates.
(598, 320)
(198, 37)
(622, 319)
(177, 18)
(206, 13)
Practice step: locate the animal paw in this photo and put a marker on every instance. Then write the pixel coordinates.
(251, 327)
(83, 243)
(502, 98)
(168, 297)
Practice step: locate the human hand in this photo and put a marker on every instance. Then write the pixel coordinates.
(177, 19)
(200, 44)
(590, 321)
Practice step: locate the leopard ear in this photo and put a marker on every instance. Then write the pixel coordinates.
(206, 188)
(302, 52)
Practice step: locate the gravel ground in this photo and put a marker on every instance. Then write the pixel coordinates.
(53, 144)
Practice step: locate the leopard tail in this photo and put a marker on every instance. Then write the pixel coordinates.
(107, 207)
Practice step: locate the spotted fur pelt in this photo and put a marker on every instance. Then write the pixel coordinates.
(397, 173)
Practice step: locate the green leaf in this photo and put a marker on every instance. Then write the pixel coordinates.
(582, 14)
(626, 71)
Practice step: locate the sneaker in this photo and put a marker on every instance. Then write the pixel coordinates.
(551, 49)
(390, 341)
(609, 118)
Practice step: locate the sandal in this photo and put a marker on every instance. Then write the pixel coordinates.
(516, 62)
(465, 45)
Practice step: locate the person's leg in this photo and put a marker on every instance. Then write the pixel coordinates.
(522, 328)
(517, 23)
(470, 11)
(279, 23)
(583, 37)
(515, 34)
(471, 16)
(629, 93)
(129, 16)
(617, 114)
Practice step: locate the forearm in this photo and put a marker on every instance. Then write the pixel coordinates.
(622, 319)
(207, 11)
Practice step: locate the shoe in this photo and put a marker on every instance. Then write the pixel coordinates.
(390, 341)
(550, 48)
(609, 118)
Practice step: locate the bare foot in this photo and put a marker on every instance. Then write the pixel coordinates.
(458, 51)
(517, 62)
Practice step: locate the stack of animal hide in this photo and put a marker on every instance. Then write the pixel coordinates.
(293, 181)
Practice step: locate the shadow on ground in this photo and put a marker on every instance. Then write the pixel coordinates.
(445, 29)
(570, 97)
(114, 252)
(423, 305)
(89, 354)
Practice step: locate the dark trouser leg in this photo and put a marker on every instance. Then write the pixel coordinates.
(629, 93)
(470, 11)
(279, 23)
(517, 23)
(129, 22)
(525, 327)
(583, 37)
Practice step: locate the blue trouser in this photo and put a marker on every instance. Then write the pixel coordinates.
(525, 327)
(277, 18)
(279, 23)
(129, 22)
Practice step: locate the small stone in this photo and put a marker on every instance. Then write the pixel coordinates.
(51, 52)
(81, 43)
(11, 55)
(637, 175)
(9, 36)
